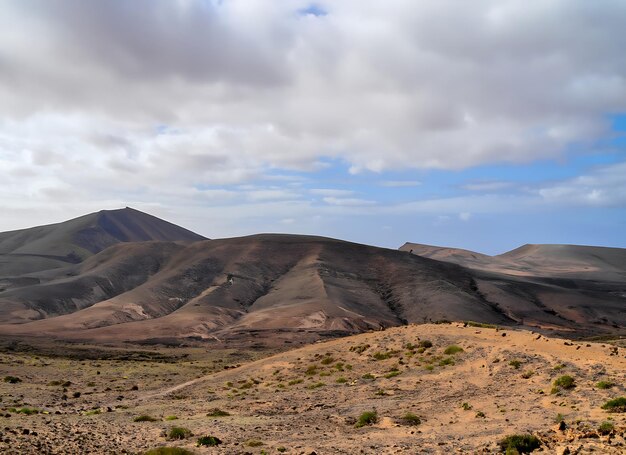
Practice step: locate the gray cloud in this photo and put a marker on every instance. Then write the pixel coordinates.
(140, 99)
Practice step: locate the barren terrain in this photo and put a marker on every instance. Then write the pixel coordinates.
(308, 400)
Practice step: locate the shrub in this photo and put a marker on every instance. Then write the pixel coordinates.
(606, 428)
(254, 443)
(295, 381)
(519, 443)
(341, 380)
(565, 382)
(145, 418)
(315, 385)
(360, 348)
(327, 360)
(559, 418)
(311, 370)
(480, 324)
(466, 406)
(383, 355)
(446, 361)
(178, 433)
(605, 384)
(208, 441)
(93, 412)
(367, 418)
(410, 419)
(12, 379)
(558, 366)
(216, 412)
(393, 374)
(528, 374)
(26, 411)
(515, 363)
(426, 344)
(453, 349)
(168, 451)
(480, 414)
(615, 405)
(368, 376)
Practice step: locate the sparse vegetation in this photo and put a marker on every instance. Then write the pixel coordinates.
(446, 361)
(12, 379)
(295, 381)
(368, 376)
(176, 433)
(410, 419)
(327, 360)
(311, 370)
(169, 451)
(341, 380)
(615, 405)
(559, 418)
(606, 428)
(254, 443)
(216, 412)
(515, 363)
(315, 385)
(480, 414)
(453, 349)
(605, 385)
(565, 382)
(528, 374)
(145, 418)
(25, 410)
(480, 324)
(519, 443)
(360, 349)
(210, 441)
(466, 406)
(426, 344)
(393, 374)
(171, 418)
(367, 418)
(383, 355)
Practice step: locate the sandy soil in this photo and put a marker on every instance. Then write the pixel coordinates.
(308, 400)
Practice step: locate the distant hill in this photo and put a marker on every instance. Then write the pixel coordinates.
(56, 245)
(564, 261)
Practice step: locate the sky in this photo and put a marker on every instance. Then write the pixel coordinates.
(482, 125)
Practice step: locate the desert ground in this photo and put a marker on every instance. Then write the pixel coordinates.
(474, 386)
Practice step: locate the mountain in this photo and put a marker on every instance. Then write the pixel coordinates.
(564, 261)
(57, 245)
(288, 286)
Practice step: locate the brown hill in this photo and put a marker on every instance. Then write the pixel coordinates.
(564, 261)
(301, 286)
(57, 245)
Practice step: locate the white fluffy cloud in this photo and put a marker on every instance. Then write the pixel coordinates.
(161, 100)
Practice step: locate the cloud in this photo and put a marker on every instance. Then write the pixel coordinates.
(348, 202)
(330, 192)
(604, 186)
(488, 186)
(400, 183)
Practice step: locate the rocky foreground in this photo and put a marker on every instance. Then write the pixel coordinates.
(417, 389)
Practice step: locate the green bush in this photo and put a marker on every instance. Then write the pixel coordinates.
(367, 418)
(453, 349)
(605, 384)
(254, 443)
(410, 419)
(210, 441)
(368, 376)
(565, 382)
(480, 414)
(171, 418)
(12, 379)
(519, 443)
(176, 433)
(341, 380)
(315, 385)
(393, 374)
(466, 406)
(615, 405)
(168, 451)
(25, 411)
(515, 363)
(145, 418)
(426, 344)
(528, 374)
(327, 360)
(360, 348)
(383, 355)
(606, 428)
(446, 361)
(216, 412)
